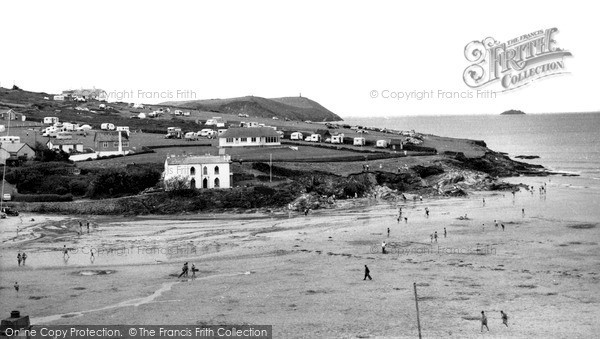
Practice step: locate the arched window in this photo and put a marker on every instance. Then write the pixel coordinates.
(192, 171)
(217, 182)
(205, 183)
(205, 170)
(193, 183)
(216, 170)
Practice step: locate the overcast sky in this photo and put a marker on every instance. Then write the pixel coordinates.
(336, 53)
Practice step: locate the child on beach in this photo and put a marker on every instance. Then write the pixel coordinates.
(504, 318)
(367, 273)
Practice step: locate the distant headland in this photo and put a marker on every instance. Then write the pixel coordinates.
(512, 112)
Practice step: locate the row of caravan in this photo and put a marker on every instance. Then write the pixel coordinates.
(336, 139)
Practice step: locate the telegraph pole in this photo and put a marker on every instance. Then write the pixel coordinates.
(417, 304)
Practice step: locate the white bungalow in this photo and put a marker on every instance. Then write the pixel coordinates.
(337, 139)
(296, 136)
(381, 144)
(207, 171)
(50, 120)
(65, 145)
(359, 141)
(258, 136)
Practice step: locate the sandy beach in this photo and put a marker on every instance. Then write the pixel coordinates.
(304, 274)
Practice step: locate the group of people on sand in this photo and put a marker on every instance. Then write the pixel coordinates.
(185, 271)
(21, 258)
(503, 316)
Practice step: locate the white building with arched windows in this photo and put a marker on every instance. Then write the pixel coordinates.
(199, 171)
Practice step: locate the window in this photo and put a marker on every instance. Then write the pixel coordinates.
(125, 143)
(229, 140)
(216, 170)
(271, 139)
(192, 171)
(116, 144)
(253, 139)
(105, 144)
(205, 170)
(217, 182)
(205, 183)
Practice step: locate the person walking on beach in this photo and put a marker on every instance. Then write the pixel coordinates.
(502, 226)
(444, 232)
(523, 212)
(24, 257)
(19, 258)
(504, 318)
(484, 202)
(383, 247)
(426, 212)
(431, 238)
(17, 288)
(92, 257)
(88, 227)
(367, 273)
(435, 236)
(184, 270)
(65, 252)
(388, 232)
(484, 322)
(400, 216)
(193, 271)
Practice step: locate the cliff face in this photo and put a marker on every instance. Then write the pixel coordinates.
(292, 108)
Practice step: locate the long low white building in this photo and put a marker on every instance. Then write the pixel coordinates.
(257, 136)
(205, 171)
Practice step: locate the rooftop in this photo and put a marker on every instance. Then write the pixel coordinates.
(198, 159)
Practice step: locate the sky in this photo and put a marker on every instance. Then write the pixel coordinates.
(356, 58)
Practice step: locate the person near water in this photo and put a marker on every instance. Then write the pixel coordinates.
(367, 273)
(92, 258)
(17, 288)
(24, 257)
(504, 318)
(19, 258)
(398, 219)
(484, 321)
(65, 251)
(435, 236)
(523, 212)
(444, 232)
(383, 247)
(502, 226)
(388, 230)
(426, 212)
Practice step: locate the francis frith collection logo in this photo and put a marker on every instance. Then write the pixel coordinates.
(514, 63)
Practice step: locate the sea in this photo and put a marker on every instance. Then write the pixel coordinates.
(568, 143)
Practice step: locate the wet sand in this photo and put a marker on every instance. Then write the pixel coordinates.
(304, 275)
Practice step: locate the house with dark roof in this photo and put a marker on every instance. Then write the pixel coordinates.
(112, 143)
(65, 145)
(207, 171)
(10, 114)
(243, 137)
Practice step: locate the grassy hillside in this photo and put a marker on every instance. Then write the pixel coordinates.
(293, 108)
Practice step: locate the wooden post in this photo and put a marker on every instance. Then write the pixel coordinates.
(270, 165)
(417, 304)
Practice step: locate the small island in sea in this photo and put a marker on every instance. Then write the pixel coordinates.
(512, 112)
